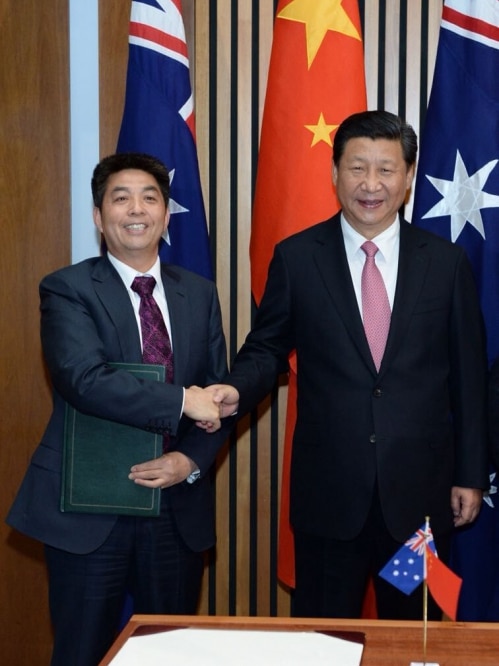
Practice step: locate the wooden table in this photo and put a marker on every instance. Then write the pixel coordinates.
(387, 642)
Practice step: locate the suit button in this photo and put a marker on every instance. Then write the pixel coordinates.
(372, 439)
(377, 393)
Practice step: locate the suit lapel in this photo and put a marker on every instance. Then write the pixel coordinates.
(114, 297)
(412, 268)
(176, 298)
(331, 260)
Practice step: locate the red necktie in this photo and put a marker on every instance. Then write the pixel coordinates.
(376, 311)
(156, 346)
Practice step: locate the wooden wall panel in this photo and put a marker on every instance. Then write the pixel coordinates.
(114, 17)
(34, 191)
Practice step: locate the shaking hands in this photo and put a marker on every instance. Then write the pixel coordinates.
(208, 406)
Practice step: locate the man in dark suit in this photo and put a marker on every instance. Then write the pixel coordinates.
(90, 317)
(378, 445)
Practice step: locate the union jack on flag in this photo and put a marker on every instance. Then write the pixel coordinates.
(405, 570)
(158, 119)
(420, 539)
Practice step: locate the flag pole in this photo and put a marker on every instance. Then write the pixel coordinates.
(425, 614)
(425, 589)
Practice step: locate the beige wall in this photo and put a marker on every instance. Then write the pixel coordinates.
(229, 48)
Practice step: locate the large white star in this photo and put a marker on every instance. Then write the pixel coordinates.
(463, 197)
(174, 208)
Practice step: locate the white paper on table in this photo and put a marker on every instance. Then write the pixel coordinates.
(227, 647)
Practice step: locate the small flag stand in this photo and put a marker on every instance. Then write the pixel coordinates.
(417, 562)
(425, 601)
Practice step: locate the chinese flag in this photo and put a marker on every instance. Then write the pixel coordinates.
(316, 79)
(443, 584)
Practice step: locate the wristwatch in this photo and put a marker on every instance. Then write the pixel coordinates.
(193, 476)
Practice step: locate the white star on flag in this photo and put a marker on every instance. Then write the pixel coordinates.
(174, 208)
(463, 197)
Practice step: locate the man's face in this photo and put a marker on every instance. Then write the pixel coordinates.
(133, 217)
(371, 182)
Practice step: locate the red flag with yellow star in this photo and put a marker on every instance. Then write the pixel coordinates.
(316, 79)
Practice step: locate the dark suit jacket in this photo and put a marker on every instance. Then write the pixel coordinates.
(87, 320)
(418, 427)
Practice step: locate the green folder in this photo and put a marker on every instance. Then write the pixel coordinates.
(98, 455)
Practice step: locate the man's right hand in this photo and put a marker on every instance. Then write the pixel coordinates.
(200, 406)
(227, 397)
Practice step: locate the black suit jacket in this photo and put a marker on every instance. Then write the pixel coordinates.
(417, 427)
(87, 320)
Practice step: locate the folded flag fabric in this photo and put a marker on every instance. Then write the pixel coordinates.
(443, 583)
(457, 196)
(417, 561)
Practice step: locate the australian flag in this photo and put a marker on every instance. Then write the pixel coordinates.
(406, 569)
(457, 196)
(417, 561)
(158, 119)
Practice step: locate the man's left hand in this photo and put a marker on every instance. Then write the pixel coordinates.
(465, 504)
(169, 469)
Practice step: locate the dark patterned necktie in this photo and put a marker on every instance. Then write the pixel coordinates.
(156, 346)
(376, 312)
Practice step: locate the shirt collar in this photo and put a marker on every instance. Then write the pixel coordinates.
(387, 240)
(128, 274)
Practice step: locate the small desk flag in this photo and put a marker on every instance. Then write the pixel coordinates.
(417, 561)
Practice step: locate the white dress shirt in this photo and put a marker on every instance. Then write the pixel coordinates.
(388, 243)
(128, 275)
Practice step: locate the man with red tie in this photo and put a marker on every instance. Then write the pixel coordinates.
(126, 307)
